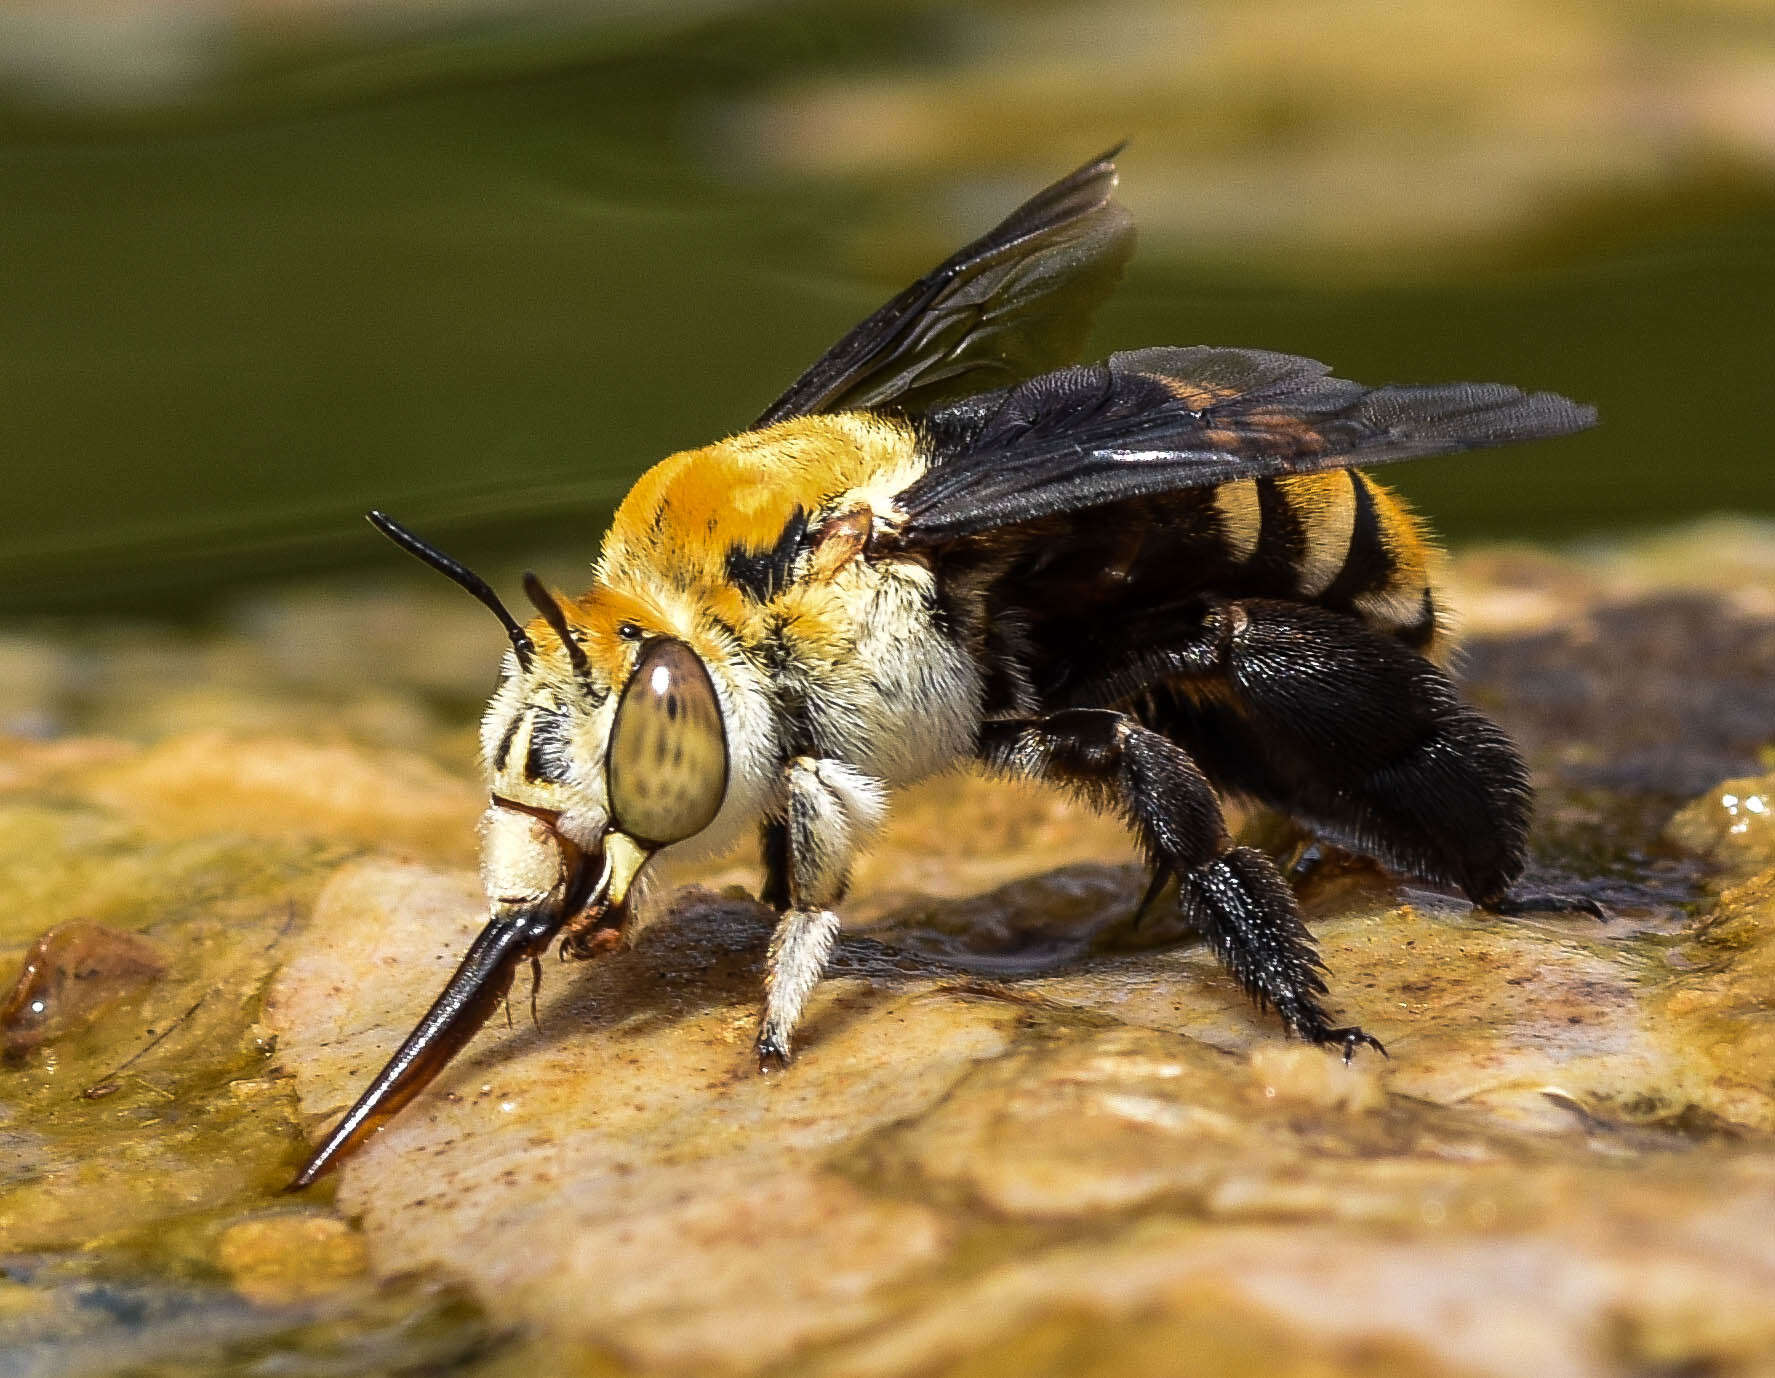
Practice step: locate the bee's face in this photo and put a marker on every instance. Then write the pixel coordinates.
(544, 739)
(629, 741)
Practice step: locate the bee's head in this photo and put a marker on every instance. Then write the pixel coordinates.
(608, 729)
(605, 742)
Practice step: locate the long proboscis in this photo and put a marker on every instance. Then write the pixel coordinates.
(465, 1004)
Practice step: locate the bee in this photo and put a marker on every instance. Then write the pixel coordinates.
(1159, 580)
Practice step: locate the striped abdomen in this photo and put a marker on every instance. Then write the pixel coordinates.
(1339, 540)
(1075, 608)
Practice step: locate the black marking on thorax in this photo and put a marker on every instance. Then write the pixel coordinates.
(763, 574)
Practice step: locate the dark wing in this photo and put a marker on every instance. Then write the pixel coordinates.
(1014, 302)
(1156, 420)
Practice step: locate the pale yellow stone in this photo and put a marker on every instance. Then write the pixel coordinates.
(1305, 1076)
(1019, 1137)
(216, 783)
(27, 764)
(280, 1259)
(626, 1173)
(1733, 823)
(624, 1177)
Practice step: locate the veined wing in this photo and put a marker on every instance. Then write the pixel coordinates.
(1014, 302)
(1158, 420)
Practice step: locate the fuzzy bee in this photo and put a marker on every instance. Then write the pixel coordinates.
(1157, 579)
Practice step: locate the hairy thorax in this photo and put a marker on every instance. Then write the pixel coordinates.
(757, 550)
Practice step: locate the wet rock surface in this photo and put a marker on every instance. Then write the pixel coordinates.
(71, 975)
(1020, 1136)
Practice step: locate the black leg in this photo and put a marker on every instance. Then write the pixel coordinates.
(1317, 715)
(1232, 895)
(1240, 902)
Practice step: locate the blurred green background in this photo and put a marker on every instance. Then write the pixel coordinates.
(266, 263)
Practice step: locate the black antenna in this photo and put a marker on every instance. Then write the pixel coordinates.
(458, 574)
(552, 614)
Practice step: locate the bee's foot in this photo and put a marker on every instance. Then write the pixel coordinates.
(773, 1053)
(1512, 906)
(1349, 1039)
(586, 943)
(1162, 876)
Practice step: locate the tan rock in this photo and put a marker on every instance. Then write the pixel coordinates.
(623, 1177)
(1021, 1135)
(668, 1199)
(1734, 824)
(280, 1259)
(208, 783)
(71, 973)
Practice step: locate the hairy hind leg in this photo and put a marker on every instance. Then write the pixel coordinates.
(1232, 895)
(1317, 714)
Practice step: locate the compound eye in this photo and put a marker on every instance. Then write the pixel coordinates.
(667, 767)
